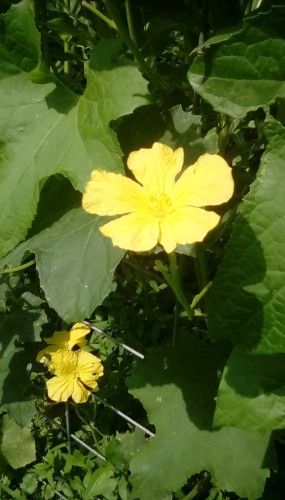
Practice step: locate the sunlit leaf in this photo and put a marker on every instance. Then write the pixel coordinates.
(177, 387)
(18, 445)
(247, 300)
(75, 263)
(247, 70)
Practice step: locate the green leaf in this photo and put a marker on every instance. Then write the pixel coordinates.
(247, 300)
(185, 131)
(248, 70)
(115, 87)
(40, 138)
(251, 392)
(40, 135)
(99, 482)
(177, 387)
(75, 263)
(18, 446)
(25, 319)
(15, 366)
(19, 40)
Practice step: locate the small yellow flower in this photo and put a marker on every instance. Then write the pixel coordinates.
(64, 340)
(158, 208)
(75, 372)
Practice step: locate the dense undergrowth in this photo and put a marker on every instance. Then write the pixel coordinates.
(83, 84)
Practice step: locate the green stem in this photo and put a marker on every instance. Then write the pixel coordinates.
(123, 32)
(129, 16)
(171, 276)
(99, 14)
(200, 295)
(66, 63)
(19, 268)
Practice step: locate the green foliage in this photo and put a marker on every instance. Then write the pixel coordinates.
(247, 71)
(82, 84)
(177, 387)
(17, 446)
(247, 300)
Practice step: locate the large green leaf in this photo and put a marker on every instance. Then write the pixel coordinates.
(39, 139)
(18, 445)
(177, 388)
(247, 300)
(19, 40)
(75, 263)
(25, 319)
(246, 71)
(252, 391)
(39, 124)
(114, 88)
(16, 363)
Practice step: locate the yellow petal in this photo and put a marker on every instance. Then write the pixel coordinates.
(44, 353)
(60, 388)
(185, 226)
(156, 167)
(64, 340)
(80, 394)
(208, 182)
(89, 368)
(63, 363)
(77, 334)
(136, 232)
(112, 194)
(58, 338)
(73, 370)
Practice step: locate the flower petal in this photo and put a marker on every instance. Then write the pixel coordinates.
(185, 226)
(208, 182)
(89, 367)
(77, 334)
(58, 338)
(73, 370)
(136, 232)
(80, 393)
(42, 355)
(60, 388)
(156, 167)
(63, 362)
(112, 194)
(64, 340)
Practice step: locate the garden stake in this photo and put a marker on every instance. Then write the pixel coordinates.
(125, 346)
(55, 491)
(123, 415)
(78, 440)
(67, 423)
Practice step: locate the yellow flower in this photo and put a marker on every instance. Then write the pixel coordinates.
(64, 340)
(158, 208)
(74, 372)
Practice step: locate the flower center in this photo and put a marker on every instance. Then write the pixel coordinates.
(161, 205)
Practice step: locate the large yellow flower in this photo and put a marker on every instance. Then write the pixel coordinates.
(158, 208)
(64, 340)
(75, 372)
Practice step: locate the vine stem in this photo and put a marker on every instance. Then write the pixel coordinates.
(66, 63)
(19, 268)
(99, 14)
(171, 275)
(124, 34)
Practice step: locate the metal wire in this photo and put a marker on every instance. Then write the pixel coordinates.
(123, 415)
(125, 346)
